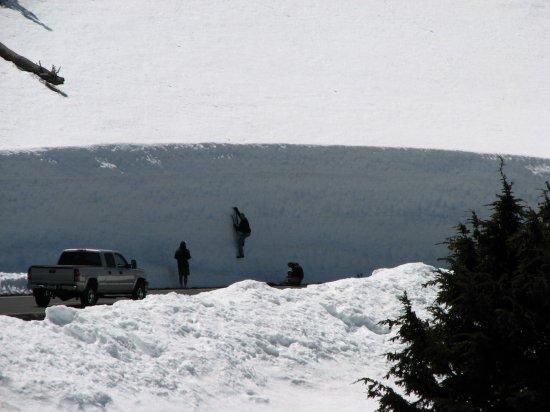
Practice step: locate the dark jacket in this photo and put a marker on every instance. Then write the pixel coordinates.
(243, 226)
(296, 274)
(183, 255)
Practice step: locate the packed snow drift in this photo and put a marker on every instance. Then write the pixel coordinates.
(463, 75)
(246, 347)
(338, 211)
(13, 284)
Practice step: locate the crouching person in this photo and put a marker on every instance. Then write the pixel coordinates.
(295, 275)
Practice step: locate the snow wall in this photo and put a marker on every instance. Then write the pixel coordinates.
(339, 211)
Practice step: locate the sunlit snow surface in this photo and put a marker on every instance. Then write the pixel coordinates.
(467, 75)
(246, 347)
(13, 284)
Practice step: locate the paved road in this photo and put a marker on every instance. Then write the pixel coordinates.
(24, 307)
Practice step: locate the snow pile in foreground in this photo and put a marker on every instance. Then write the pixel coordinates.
(246, 347)
(13, 284)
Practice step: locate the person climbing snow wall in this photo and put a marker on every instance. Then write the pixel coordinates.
(242, 230)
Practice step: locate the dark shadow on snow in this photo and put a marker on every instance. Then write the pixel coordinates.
(14, 5)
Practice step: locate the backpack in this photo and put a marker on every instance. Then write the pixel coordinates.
(244, 226)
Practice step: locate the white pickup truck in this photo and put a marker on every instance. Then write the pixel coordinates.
(87, 274)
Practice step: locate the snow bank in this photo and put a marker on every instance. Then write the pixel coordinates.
(246, 347)
(433, 74)
(339, 211)
(13, 284)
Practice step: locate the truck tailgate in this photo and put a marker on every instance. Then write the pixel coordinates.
(58, 275)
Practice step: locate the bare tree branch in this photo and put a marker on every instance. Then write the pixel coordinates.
(22, 63)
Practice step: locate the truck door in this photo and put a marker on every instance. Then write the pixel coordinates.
(111, 274)
(125, 275)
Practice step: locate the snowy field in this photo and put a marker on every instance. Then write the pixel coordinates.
(448, 74)
(13, 284)
(246, 347)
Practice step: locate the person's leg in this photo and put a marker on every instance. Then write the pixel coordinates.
(292, 281)
(185, 281)
(181, 280)
(240, 245)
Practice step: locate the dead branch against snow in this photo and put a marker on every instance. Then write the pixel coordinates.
(22, 63)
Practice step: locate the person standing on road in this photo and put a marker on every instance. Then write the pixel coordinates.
(182, 256)
(242, 230)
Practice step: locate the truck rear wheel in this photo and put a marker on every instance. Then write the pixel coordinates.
(89, 296)
(140, 291)
(41, 297)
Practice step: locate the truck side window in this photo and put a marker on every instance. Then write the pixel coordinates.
(120, 261)
(109, 260)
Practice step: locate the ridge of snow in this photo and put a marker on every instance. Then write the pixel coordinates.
(245, 347)
(540, 169)
(13, 284)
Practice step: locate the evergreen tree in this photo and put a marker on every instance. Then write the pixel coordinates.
(486, 345)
